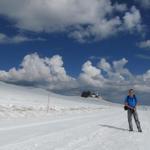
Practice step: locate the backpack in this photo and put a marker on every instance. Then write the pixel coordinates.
(133, 97)
(126, 107)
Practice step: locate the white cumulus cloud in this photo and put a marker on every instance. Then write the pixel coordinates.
(39, 71)
(132, 19)
(91, 75)
(104, 65)
(80, 19)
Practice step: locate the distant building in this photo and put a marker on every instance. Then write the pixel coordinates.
(89, 94)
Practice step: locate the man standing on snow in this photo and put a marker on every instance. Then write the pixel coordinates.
(130, 106)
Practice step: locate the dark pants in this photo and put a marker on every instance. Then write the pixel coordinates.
(135, 115)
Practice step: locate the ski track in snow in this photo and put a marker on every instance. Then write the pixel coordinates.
(106, 130)
(52, 126)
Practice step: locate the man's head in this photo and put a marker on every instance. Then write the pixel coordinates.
(131, 92)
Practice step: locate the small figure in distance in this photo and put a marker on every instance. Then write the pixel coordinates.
(130, 105)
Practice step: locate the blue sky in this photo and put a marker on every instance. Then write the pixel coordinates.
(77, 31)
(113, 48)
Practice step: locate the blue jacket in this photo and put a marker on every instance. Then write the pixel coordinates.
(131, 101)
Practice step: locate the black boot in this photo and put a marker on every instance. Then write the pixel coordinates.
(130, 130)
(139, 130)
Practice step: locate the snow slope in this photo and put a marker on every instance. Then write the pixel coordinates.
(73, 123)
(26, 101)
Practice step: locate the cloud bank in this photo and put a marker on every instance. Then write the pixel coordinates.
(74, 17)
(112, 80)
(41, 72)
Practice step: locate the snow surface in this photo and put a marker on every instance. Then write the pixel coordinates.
(27, 122)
